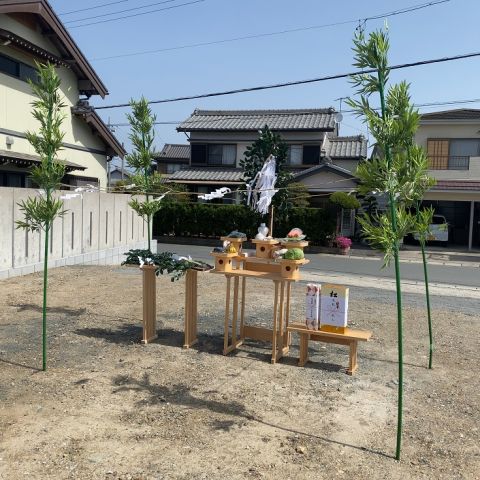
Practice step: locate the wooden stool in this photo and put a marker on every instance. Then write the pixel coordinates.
(348, 337)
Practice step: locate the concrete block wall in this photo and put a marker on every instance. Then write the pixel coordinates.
(97, 229)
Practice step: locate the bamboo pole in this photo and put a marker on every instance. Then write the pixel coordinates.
(393, 213)
(427, 294)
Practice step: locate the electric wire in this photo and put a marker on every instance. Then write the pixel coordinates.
(92, 8)
(119, 11)
(138, 14)
(236, 117)
(275, 33)
(299, 82)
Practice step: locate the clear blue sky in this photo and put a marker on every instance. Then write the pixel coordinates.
(447, 29)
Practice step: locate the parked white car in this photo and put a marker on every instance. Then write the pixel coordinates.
(438, 230)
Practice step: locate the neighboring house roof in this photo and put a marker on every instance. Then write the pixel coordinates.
(208, 175)
(89, 82)
(346, 147)
(457, 114)
(119, 170)
(310, 119)
(26, 160)
(85, 111)
(325, 166)
(455, 185)
(174, 151)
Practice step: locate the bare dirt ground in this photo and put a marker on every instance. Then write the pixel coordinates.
(111, 408)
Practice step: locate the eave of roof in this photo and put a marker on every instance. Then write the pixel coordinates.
(460, 115)
(115, 148)
(326, 166)
(92, 85)
(27, 160)
(457, 185)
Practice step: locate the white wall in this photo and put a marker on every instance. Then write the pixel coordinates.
(15, 111)
(96, 229)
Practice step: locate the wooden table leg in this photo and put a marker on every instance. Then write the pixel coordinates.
(275, 323)
(303, 350)
(242, 309)
(227, 317)
(235, 310)
(287, 313)
(353, 365)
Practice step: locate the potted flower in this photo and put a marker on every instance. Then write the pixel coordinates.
(343, 244)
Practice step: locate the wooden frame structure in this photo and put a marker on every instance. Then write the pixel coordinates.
(191, 310)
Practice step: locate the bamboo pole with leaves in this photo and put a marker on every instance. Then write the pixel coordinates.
(397, 169)
(142, 136)
(40, 212)
(423, 220)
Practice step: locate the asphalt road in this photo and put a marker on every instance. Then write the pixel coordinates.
(444, 274)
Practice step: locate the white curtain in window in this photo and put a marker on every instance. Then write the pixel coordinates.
(296, 153)
(229, 154)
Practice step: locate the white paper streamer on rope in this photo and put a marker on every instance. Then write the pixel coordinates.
(218, 193)
(262, 188)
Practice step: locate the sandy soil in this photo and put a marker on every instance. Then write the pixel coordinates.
(111, 408)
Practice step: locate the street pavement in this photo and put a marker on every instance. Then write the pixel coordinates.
(445, 273)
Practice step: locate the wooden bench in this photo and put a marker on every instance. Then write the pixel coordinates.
(348, 337)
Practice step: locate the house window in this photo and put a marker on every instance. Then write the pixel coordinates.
(452, 154)
(17, 69)
(12, 179)
(311, 154)
(295, 154)
(214, 154)
(173, 167)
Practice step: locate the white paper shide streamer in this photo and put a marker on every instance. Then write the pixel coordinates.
(262, 188)
(218, 193)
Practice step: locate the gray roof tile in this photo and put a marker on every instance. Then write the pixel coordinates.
(174, 150)
(457, 114)
(346, 147)
(208, 175)
(316, 119)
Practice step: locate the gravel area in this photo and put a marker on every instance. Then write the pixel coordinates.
(111, 408)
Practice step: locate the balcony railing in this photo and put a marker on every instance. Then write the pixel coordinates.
(455, 162)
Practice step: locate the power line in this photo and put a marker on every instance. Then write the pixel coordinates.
(92, 8)
(230, 117)
(137, 14)
(275, 33)
(120, 11)
(299, 82)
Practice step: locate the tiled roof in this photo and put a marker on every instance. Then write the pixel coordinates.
(232, 175)
(174, 150)
(313, 119)
(458, 114)
(346, 147)
(457, 185)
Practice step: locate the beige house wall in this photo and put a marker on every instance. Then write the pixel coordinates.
(327, 181)
(455, 129)
(15, 112)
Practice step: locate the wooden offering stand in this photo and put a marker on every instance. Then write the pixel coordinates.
(149, 332)
(262, 267)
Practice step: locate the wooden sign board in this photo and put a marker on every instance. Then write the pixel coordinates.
(334, 305)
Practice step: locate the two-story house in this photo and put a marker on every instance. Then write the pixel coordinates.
(452, 141)
(318, 157)
(30, 32)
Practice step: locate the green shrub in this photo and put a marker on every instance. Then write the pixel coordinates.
(344, 200)
(213, 221)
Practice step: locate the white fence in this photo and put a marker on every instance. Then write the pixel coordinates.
(97, 229)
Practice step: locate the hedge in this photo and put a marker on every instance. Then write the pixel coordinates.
(213, 221)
